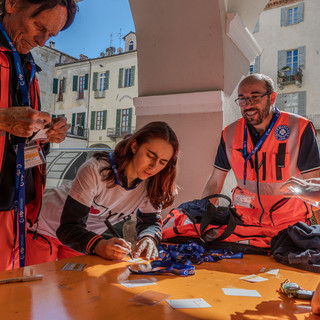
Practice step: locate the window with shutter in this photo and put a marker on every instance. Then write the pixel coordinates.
(95, 81)
(292, 15)
(55, 86)
(92, 123)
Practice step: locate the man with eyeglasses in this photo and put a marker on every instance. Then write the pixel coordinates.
(264, 148)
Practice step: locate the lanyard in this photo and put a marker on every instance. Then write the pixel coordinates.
(21, 79)
(258, 145)
(19, 206)
(161, 266)
(193, 253)
(115, 172)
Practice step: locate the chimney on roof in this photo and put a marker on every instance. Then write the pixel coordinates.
(52, 44)
(83, 57)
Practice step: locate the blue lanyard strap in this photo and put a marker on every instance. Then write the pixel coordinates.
(161, 267)
(258, 145)
(193, 253)
(19, 70)
(19, 206)
(115, 172)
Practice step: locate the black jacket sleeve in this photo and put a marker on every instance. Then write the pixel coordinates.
(149, 224)
(72, 231)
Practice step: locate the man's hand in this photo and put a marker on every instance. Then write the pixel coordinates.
(112, 249)
(58, 130)
(146, 248)
(305, 189)
(23, 121)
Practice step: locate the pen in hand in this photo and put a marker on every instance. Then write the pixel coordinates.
(115, 233)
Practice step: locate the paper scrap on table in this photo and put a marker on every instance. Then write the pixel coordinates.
(254, 278)
(270, 271)
(74, 267)
(188, 303)
(241, 292)
(137, 283)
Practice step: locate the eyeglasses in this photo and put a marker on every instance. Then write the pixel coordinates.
(242, 102)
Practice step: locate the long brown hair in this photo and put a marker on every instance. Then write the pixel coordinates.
(161, 188)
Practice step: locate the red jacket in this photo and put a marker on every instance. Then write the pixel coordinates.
(39, 172)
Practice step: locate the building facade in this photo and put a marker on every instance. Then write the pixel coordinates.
(95, 95)
(286, 33)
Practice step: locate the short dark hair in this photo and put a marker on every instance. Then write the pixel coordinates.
(70, 5)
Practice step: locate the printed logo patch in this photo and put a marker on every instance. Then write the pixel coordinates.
(282, 133)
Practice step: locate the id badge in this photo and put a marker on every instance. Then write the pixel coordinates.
(243, 200)
(33, 156)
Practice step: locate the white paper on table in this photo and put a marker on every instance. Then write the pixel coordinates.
(270, 271)
(137, 283)
(254, 278)
(188, 303)
(136, 260)
(241, 292)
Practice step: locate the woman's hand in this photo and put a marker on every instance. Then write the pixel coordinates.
(112, 249)
(146, 248)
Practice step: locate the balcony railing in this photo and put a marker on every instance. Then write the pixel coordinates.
(284, 77)
(120, 132)
(79, 131)
(315, 119)
(99, 94)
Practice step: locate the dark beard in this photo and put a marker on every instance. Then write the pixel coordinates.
(259, 117)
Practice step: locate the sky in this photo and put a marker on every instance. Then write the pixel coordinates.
(94, 23)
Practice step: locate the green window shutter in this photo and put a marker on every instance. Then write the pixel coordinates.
(281, 59)
(133, 69)
(75, 83)
(93, 120)
(278, 102)
(107, 79)
(55, 85)
(104, 120)
(73, 119)
(83, 117)
(95, 81)
(256, 65)
(86, 78)
(53, 116)
(64, 81)
(284, 17)
(302, 57)
(62, 115)
(302, 103)
(120, 79)
(130, 119)
(118, 120)
(300, 11)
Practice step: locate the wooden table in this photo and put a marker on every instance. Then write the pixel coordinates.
(95, 293)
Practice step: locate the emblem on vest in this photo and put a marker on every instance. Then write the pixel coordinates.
(282, 132)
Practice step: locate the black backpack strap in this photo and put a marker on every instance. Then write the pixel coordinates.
(208, 218)
(218, 195)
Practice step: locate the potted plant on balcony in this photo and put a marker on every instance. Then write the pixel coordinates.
(298, 74)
